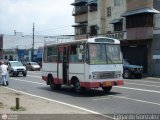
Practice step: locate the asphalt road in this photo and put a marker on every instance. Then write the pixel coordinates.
(137, 96)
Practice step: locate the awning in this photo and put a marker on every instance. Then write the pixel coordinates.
(120, 20)
(93, 2)
(79, 25)
(79, 2)
(140, 11)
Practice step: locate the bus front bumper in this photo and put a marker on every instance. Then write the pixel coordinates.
(101, 84)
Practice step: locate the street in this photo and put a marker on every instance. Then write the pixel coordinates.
(137, 96)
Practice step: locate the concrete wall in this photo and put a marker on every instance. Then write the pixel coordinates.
(116, 12)
(155, 70)
(137, 4)
(80, 18)
(139, 33)
(156, 42)
(94, 18)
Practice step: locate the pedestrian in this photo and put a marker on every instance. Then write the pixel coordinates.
(4, 72)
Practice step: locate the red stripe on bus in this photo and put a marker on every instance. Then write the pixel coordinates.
(89, 84)
(120, 82)
(45, 78)
(101, 84)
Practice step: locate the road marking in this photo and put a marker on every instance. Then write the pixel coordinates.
(142, 84)
(137, 100)
(34, 76)
(144, 81)
(38, 73)
(144, 90)
(28, 81)
(63, 103)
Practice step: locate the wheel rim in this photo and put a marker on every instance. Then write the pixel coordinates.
(51, 83)
(77, 86)
(126, 74)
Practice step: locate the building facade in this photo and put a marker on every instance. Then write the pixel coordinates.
(20, 47)
(80, 13)
(130, 21)
(155, 68)
(139, 27)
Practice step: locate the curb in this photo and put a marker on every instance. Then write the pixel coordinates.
(152, 78)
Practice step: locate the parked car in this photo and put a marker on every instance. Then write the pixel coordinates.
(16, 67)
(33, 66)
(131, 70)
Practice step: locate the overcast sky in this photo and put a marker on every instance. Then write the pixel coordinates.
(51, 17)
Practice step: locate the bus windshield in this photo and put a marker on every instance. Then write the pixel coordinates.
(105, 54)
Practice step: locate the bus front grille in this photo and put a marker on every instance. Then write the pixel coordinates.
(106, 75)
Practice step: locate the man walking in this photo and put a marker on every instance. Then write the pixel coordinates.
(3, 69)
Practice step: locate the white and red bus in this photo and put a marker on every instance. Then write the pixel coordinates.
(88, 63)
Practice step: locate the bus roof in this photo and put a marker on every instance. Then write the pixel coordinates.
(89, 40)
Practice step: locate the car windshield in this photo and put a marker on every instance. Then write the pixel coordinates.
(34, 63)
(105, 54)
(15, 64)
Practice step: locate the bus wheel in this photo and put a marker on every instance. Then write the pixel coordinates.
(76, 85)
(52, 85)
(107, 89)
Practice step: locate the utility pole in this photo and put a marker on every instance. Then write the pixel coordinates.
(32, 56)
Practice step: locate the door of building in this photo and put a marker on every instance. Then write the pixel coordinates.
(137, 54)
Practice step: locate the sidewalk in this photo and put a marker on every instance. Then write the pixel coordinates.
(40, 109)
(33, 105)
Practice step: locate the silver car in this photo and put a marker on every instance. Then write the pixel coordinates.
(16, 67)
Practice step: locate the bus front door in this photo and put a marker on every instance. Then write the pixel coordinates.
(66, 65)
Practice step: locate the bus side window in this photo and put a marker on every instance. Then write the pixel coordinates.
(73, 55)
(74, 58)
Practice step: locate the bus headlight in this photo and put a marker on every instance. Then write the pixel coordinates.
(117, 74)
(95, 75)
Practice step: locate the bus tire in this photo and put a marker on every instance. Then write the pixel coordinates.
(107, 89)
(76, 86)
(52, 85)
